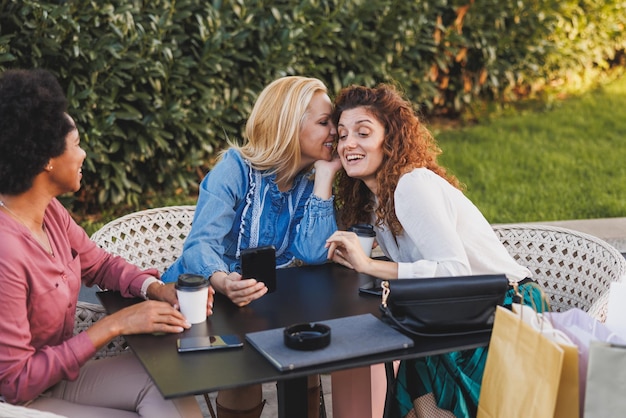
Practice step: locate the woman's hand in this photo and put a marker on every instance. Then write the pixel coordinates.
(146, 317)
(167, 293)
(325, 172)
(345, 248)
(240, 291)
(330, 167)
(151, 316)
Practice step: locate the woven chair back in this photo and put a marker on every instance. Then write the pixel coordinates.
(574, 268)
(151, 238)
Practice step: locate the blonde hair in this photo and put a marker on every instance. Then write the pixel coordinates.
(273, 128)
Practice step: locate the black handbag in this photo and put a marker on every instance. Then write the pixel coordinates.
(439, 306)
(443, 306)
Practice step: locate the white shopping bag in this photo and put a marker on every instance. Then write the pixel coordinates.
(616, 310)
(606, 373)
(606, 381)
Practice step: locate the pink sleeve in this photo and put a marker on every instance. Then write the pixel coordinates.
(33, 372)
(26, 370)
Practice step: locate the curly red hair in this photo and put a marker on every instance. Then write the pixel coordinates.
(408, 145)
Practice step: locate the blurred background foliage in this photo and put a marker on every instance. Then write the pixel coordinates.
(158, 86)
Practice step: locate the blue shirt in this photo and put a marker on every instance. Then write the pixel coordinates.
(240, 207)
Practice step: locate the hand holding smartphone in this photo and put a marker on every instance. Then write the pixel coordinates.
(260, 264)
(211, 342)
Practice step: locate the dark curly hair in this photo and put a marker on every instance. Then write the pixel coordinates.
(407, 145)
(33, 126)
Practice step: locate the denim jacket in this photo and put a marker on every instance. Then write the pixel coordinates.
(240, 207)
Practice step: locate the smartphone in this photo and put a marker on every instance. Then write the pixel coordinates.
(211, 342)
(260, 264)
(372, 288)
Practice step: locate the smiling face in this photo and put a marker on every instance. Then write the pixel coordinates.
(317, 134)
(66, 171)
(361, 136)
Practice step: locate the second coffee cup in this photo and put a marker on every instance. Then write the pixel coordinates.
(366, 235)
(193, 292)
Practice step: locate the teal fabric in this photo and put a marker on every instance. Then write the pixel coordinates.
(454, 378)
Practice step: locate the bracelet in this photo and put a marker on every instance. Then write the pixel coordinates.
(146, 284)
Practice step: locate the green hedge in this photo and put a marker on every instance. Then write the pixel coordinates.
(157, 86)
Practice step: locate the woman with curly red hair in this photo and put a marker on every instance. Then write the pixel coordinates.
(425, 226)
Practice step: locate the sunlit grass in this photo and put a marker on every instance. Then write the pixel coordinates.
(568, 162)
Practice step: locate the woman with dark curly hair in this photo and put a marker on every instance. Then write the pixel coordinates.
(46, 255)
(424, 225)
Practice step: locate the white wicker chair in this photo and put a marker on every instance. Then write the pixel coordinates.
(151, 238)
(574, 268)
(15, 411)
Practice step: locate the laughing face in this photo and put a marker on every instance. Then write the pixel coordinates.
(67, 168)
(361, 136)
(318, 132)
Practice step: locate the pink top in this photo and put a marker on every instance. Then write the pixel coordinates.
(38, 295)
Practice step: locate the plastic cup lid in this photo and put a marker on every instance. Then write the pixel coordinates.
(191, 282)
(365, 230)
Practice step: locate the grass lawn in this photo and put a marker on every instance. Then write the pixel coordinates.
(564, 162)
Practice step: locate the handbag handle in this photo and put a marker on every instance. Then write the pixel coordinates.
(387, 291)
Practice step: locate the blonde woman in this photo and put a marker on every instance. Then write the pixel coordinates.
(275, 189)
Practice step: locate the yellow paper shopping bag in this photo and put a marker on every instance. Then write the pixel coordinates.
(527, 374)
(569, 385)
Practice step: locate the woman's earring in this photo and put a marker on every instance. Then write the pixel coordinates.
(49, 167)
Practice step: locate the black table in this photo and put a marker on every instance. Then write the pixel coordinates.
(304, 294)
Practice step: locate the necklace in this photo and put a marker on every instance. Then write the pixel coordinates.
(45, 245)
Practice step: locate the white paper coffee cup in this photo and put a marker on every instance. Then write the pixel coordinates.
(366, 235)
(366, 244)
(193, 292)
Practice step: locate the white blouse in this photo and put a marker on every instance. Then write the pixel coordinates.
(444, 233)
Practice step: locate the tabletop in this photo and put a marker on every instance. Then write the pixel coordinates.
(304, 294)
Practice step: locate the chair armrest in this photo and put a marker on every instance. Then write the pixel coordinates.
(88, 313)
(14, 411)
(600, 307)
